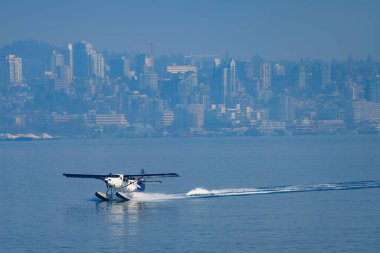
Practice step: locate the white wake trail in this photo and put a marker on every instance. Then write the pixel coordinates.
(151, 197)
(205, 193)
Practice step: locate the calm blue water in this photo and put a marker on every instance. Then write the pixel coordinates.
(260, 194)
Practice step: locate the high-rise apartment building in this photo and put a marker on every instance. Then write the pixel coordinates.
(148, 79)
(81, 59)
(63, 78)
(68, 57)
(224, 83)
(55, 60)
(86, 61)
(301, 76)
(96, 64)
(11, 70)
(196, 116)
(363, 110)
(233, 84)
(120, 67)
(326, 74)
(374, 89)
(218, 83)
(265, 74)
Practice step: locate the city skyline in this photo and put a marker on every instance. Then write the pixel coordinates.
(197, 68)
(244, 28)
(78, 91)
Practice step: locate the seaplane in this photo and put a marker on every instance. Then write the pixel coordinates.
(121, 187)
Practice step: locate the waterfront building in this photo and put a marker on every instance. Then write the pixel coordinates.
(282, 108)
(302, 126)
(374, 89)
(165, 119)
(110, 119)
(190, 117)
(331, 126)
(363, 110)
(269, 127)
(196, 115)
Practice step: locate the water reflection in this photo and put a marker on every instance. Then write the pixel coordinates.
(122, 218)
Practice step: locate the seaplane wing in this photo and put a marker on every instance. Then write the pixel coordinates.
(138, 176)
(141, 176)
(101, 177)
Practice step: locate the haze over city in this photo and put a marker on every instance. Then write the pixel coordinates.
(276, 30)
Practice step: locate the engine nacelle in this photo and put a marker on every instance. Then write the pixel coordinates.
(114, 182)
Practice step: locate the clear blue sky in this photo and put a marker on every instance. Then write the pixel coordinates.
(277, 29)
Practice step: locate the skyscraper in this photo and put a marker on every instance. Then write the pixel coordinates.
(96, 64)
(11, 69)
(55, 60)
(233, 85)
(119, 67)
(63, 78)
(224, 85)
(301, 76)
(68, 57)
(266, 74)
(148, 79)
(218, 83)
(81, 60)
(326, 74)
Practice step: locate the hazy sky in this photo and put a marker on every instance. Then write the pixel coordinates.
(276, 29)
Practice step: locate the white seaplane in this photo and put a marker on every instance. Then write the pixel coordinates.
(121, 186)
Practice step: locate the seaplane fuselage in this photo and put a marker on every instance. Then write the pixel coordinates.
(120, 184)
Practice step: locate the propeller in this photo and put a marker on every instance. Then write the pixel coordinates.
(105, 181)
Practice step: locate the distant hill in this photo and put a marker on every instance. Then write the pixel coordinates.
(33, 53)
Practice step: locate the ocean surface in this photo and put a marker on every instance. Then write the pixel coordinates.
(249, 194)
